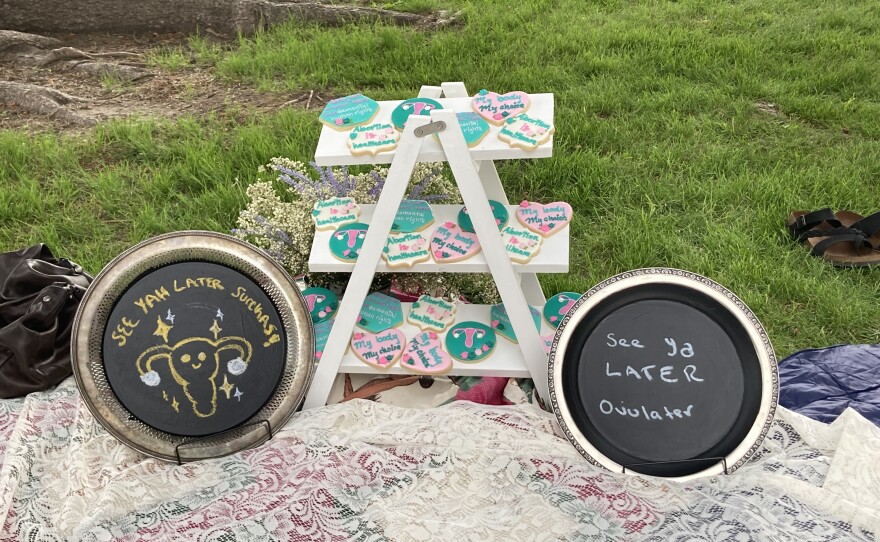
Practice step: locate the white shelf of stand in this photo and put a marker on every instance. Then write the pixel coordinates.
(333, 148)
(506, 360)
(553, 257)
(477, 181)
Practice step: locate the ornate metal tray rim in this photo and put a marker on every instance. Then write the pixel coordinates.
(174, 247)
(758, 335)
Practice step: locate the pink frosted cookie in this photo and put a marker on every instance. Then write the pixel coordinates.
(526, 132)
(450, 244)
(380, 350)
(497, 108)
(424, 354)
(373, 139)
(542, 219)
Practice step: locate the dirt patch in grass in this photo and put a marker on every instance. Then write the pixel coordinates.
(190, 89)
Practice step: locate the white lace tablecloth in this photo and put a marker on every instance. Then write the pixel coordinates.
(367, 471)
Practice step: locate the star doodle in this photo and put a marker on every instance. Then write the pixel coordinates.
(238, 394)
(175, 405)
(227, 387)
(162, 329)
(170, 317)
(215, 329)
(220, 314)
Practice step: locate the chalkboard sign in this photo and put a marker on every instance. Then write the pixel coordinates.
(663, 372)
(194, 348)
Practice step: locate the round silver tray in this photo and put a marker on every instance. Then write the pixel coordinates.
(191, 246)
(570, 360)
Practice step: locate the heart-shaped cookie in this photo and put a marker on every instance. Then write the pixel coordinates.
(450, 244)
(424, 354)
(542, 219)
(496, 108)
(521, 244)
(380, 350)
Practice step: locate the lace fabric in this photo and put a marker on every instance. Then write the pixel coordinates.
(368, 471)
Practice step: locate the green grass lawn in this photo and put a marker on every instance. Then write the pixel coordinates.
(686, 133)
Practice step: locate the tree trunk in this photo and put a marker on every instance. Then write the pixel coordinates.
(225, 16)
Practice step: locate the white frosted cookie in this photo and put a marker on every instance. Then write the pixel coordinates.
(406, 250)
(373, 138)
(331, 213)
(526, 132)
(431, 313)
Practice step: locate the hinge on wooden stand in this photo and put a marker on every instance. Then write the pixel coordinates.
(430, 128)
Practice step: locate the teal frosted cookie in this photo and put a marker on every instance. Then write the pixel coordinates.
(558, 306)
(380, 312)
(322, 332)
(470, 341)
(499, 211)
(412, 215)
(473, 128)
(347, 112)
(346, 242)
(501, 321)
(413, 106)
(321, 302)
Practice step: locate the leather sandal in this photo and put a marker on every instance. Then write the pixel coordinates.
(869, 225)
(831, 238)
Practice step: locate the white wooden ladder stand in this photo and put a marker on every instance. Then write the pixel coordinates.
(478, 181)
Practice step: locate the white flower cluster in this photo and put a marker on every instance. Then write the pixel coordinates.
(278, 219)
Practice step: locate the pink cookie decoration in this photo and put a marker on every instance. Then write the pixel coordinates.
(449, 243)
(544, 220)
(380, 350)
(497, 108)
(424, 354)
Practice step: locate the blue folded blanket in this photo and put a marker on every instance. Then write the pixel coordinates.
(822, 383)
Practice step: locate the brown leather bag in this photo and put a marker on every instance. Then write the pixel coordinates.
(39, 295)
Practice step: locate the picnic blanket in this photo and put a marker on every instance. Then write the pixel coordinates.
(823, 382)
(368, 471)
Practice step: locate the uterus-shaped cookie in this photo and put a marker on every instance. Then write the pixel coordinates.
(194, 364)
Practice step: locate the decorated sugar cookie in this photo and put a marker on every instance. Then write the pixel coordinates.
(413, 106)
(346, 242)
(321, 302)
(347, 112)
(406, 250)
(373, 139)
(547, 342)
(521, 244)
(471, 342)
(473, 128)
(496, 108)
(450, 244)
(526, 132)
(424, 354)
(545, 220)
(558, 306)
(412, 215)
(380, 312)
(322, 331)
(501, 321)
(380, 350)
(331, 213)
(431, 313)
(499, 211)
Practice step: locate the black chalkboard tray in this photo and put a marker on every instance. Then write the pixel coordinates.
(192, 345)
(665, 373)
